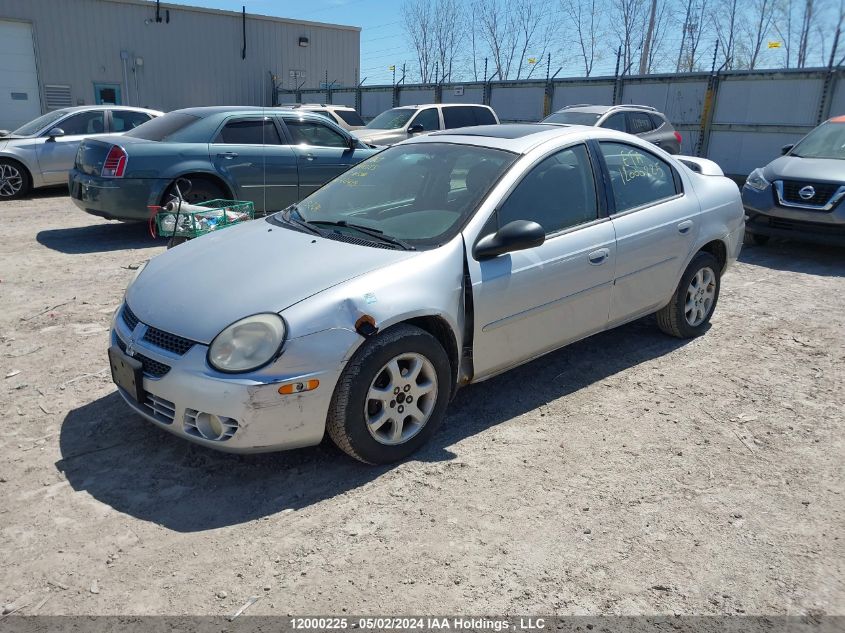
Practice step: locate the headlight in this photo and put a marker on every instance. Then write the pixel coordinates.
(756, 181)
(247, 344)
(137, 274)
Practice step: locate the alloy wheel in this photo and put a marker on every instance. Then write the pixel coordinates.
(401, 398)
(11, 180)
(701, 294)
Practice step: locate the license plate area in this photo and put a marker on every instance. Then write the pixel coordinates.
(127, 373)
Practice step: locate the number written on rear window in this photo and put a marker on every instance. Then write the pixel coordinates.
(637, 177)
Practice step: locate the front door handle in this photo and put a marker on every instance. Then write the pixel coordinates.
(309, 157)
(599, 256)
(685, 226)
(228, 155)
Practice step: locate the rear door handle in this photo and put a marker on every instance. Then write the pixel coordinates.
(228, 155)
(599, 256)
(685, 226)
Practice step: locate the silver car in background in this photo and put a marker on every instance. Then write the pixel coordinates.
(436, 263)
(398, 124)
(40, 153)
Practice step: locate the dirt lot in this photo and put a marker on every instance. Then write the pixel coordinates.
(628, 474)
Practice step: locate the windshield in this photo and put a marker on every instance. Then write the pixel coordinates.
(573, 118)
(160, 128)
(421, 194)
(27, 129)
(826, 141)
(391, 119)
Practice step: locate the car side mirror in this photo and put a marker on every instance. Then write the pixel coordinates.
(787, 148)
(56, 131)
(351, 143)
(513, 236)
(416, 128)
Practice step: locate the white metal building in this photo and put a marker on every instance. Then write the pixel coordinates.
(58, 53)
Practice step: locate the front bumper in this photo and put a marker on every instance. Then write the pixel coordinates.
(261, 419)
(766, 217)
(115, 198)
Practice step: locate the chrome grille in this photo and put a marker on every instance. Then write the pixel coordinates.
(823, 192)
(151, 367)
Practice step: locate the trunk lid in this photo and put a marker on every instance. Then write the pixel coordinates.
(92, 152)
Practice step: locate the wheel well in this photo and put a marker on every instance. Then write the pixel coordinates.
(718, 250)
(439, 329)
(19, 164)
(205, 176)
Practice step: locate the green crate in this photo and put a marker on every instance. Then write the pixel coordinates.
(218, 214)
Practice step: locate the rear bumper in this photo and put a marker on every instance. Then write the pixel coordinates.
(115, 198)
(766, 217)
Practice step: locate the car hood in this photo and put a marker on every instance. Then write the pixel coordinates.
(196, 289)
(794, 168)
(380, 137)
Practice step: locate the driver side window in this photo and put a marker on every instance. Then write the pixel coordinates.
(428, 118)
(83, 123)
(557, 194)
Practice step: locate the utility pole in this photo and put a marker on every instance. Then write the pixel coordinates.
(648, 37)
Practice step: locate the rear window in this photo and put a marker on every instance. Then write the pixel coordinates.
(466, 116)
(573, 118)
(350, 117)
(639, 123)
(163, 127)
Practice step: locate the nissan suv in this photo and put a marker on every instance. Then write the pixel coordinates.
(397, 124)
(639, 120)
(802, 193)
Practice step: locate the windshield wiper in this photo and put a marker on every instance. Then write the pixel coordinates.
(287, 216)
(367, 230)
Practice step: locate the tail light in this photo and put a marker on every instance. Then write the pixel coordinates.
(678, 136)
(115, 163)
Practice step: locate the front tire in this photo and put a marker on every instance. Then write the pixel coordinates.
(688, 314)
(391, 397)
(15, 181)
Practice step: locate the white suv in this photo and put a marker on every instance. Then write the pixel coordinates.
(397, 124)
(345, 116)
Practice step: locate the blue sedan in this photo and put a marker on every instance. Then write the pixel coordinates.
(271, 157)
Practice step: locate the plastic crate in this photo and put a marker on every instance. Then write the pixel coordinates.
(216, 215)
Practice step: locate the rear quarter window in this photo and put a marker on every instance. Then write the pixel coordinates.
(483, 116)
(350, 117)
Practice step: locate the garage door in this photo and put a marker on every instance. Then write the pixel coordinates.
(19, 99)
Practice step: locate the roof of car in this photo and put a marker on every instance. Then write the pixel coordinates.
(305, 106)
(441, 105)
(205, 111)
(513, 137)
(85, 108)
(601, 109)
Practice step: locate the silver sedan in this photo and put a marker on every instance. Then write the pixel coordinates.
(439, 262)
(40, 153)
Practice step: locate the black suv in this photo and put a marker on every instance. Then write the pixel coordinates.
(643, 121)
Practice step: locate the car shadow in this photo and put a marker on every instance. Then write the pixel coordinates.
(799, 257)
(137, 469)
(99, 238)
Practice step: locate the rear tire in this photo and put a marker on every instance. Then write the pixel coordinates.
(15, 181)
(202, 190)
(391, 397)
(688, 314)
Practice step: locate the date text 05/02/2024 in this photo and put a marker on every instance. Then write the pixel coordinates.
(428, 623)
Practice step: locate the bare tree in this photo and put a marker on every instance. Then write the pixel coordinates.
(649, 34)
(418, 22)
(584, 17)
(807, 21)
(693, 30)
(657, 55)
(763, 14)
(784, 27)
(512, 31)
(628, 17)
(435, 29)
(728, 26)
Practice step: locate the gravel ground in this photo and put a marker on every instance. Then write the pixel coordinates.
(627, 474)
